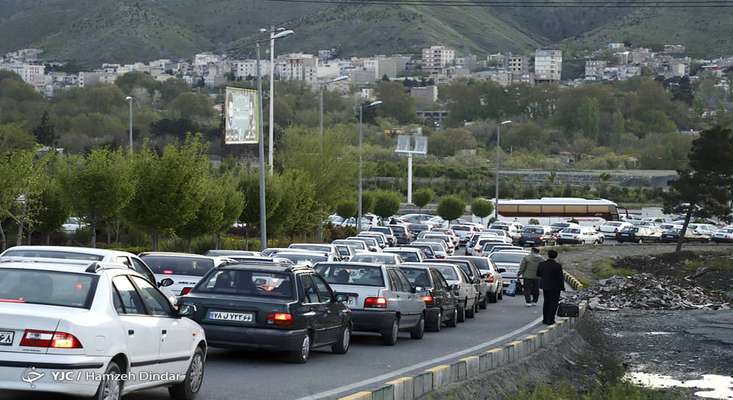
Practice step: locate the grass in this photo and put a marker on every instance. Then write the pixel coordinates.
(605, 268)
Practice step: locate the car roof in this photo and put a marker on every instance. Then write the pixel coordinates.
(73, 249)
(394, 249)
(173, 254)
(266, 267)
(60, 266)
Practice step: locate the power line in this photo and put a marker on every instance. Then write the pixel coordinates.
(527, 4)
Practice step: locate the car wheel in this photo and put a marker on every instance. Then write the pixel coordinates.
(484, 303)
(470, 311)
(418, 331)
(453, 321)
(344, 341)
(437, 323)
(492, 297)
(500, 295)
(189, 388)
(110, 389)
(301, 355)
(389, 337)
(461, 313)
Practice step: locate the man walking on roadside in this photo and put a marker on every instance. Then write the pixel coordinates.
(528, 271)
(552, 282)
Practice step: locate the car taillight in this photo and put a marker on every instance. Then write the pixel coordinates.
(428, 299)
(375, 302)
(168, 272)
(186, 290)
(490, 278)
(56, 340)
(280, 319)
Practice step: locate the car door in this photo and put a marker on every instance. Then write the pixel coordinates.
(141, 330)
(334, 310)
(175, 339)
(399, 297)
(414, 303)
(440, 289)
(313, 310)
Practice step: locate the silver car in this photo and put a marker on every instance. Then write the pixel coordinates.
(380, 297)
(507, 263)
(461, 285)
(186, 270)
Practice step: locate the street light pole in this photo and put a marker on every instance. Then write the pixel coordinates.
(321, 87)
(263, 212)
(271, 121)
(130, 100)
(496, 173)
(361, 151)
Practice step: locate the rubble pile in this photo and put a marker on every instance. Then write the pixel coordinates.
(647, 291)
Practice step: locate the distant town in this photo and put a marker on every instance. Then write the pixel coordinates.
(422, 73)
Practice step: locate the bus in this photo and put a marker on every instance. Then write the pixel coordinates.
(564, 207)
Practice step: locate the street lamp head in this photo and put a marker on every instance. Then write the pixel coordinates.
(129, 98)
(506, 122)
(339, 79)
(375, 103)
(282, 34)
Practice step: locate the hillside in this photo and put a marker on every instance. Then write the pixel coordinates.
(95, 31)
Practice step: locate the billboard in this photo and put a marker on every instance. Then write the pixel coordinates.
(241, 115)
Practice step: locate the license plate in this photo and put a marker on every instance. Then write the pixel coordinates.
(231, 316)
(6, 338)
(351, 301)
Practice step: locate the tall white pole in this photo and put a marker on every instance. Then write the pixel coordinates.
(409, 178)
(496, 173)
(263, 210)
(272, 101)
(129, 100)
(320, 116)
(359, 201)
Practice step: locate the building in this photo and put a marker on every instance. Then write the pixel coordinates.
(517, 65)
(425, 94)
(594, 69)
(32, 74)
(297, 67)
(247, 69)
(436, 58)
(547, 66)
(641, 56)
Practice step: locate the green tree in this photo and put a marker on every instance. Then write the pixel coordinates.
(482, 208)
(386, 204)
(397, 102)
(15, 137)
(21, 181)
(169, 188)
(589, 118)
(298, 211)
(451, 208)
(52, 209)
(194, 106)
(209, 216)
(249, 185)
(423, 196)
(98, 187)
(346, 209)
(45, 133)
(368, 199)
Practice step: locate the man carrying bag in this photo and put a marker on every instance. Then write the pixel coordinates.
(528, 271)
(552, 282)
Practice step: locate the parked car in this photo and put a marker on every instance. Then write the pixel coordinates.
(309, 258)
(579, 235)
(536, 235)
(502, 234)
(410, 254)
(232, 254)
(387, 231)
(415, 229)
(426, 249)
(490, 248)
(184, 269)
(378, 258)
(380, 297)
(73, 225)
(507, 263)
(451, 234)
(437, 235)
(401, 233)
(639, 234)
(270, 307)
(345, 251)
(474, 277)
(356, 245)
(512, 229)
(89, 320)
(473, 240)
(485, 244)
(464, 232)
(417, 218)
(724, 235)
(439, 250)
(380, 237)
(691, 235)
(490, 277)
(556, 227)
(371, 243)
(440, 303)
(610, 228)
(445, 246)
(319, 247)
(463, 289)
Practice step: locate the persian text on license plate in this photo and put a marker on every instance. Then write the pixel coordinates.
(6, 338)
(230, 316)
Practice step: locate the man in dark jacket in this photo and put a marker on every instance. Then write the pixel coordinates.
(552, 282)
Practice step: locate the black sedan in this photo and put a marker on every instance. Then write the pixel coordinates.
(272, 307)
(441, 306)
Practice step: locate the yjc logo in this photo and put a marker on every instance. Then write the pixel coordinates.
(30, 376)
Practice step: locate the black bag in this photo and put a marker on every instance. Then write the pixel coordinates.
(568, 310)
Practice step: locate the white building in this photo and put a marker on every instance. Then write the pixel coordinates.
(297, 67)
(247, 69)
(436, 58)
(517, 65)
(32, 74)
(547, 65)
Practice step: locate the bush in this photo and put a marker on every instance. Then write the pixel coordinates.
(386, 204)
(346, 209)
(482, 208)
(451, 207)
(422, 197)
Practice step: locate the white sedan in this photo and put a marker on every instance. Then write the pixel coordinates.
(77, 331)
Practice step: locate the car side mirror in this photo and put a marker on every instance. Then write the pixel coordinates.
(501, 270)
(413, 289)
(166, 282)
(342, 298)
(187, 310)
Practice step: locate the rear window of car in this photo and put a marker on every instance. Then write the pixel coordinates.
(56, 288)
(374, 258)
(399, 229)
(461, 228)
(343, 250)
(178, 265)
(480, 262)
(244, 282)
(30, 253)
(507, 258)
(448, 272)
(344, 274)
(297, 258)
(313, 247)
(570, 230)
(382, 229)
(534, 230)
(418, 277)
(409, 256)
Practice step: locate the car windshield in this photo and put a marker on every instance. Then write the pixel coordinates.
(533, 230)
(435, 246)
(418, 277)
(382, 229)
(353, 243)
(398, 229)
(179, 265)
(570, 230)
(343, 250)
(375, 258)
(68, 255)
(500, 227)
(449, 273)
(313, 247)
(513, 258)
(348, 274)
(300, 257)
(242, 282)
(480, 262)
(560, 225)
(613, 223)
(55, 288)
(461, 228)
(410, 256)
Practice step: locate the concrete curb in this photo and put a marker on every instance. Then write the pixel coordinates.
(414, 387)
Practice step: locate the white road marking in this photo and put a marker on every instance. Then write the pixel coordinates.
(419, 366)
